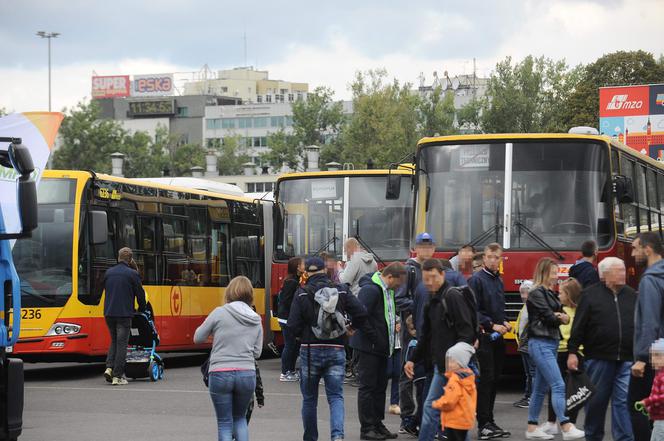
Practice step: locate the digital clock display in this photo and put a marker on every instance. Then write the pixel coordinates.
(150, 108)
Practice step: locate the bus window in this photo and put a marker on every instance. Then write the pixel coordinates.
(220, 275)
(245, 243)
(173, 235)
(146, 233)
(129, 230)
(629, 210)
(197, 244)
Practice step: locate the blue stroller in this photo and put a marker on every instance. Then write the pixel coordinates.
(142, 360)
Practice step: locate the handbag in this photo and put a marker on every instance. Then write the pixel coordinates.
(205, 368)
(578, 390)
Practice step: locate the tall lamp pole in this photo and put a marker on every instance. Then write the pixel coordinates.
(48, 35)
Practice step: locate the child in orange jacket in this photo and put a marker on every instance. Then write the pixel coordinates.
(459, 401)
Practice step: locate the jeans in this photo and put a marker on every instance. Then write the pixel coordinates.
(394, 374)
(430, 416)
(491, 356)
(611, 381)
(657, 431)
(543, 352)
(639, 388)
(562, 365)
(327, 363)
(529, 369)
(117, 353)
(231, 392)
(289, 354)
(372, 371)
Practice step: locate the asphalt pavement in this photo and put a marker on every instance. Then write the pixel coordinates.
(72, 402)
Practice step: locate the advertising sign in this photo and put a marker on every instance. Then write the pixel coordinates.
(152, 85)
(634, 115)
(110, 86)
(324, 189)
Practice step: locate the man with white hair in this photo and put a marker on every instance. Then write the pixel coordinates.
(604, 326)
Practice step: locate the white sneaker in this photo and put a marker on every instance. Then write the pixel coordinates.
(573, 433)
(121, 381)
(108, 374)
(538, 433)
(550, 428)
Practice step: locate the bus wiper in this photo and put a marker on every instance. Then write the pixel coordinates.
(495, 228)
(366, 245)
(538, 239)
(331, 241)
(28, 290)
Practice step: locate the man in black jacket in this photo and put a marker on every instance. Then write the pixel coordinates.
(447, 321)
(584, 269)
(377, 296)
(604, 326)
(323, 358)
(122, 285)
(488, 287)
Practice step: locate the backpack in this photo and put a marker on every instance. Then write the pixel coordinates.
(469, 301)
(329, 321)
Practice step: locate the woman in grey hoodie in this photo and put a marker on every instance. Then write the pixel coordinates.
(237, 340)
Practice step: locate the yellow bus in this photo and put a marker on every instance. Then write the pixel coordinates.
(188, 244)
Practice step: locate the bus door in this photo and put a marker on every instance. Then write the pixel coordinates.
(176, 290)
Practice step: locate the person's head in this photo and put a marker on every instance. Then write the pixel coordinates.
(240, 290)
(329, 259)
(646, 246)
(458, 356)
(570, 292)
(352, 246)
(546, 273)
(314, 265)
(524, 289)
(657, 354)
(125, 255)
(478, 262)
(410, 326)
(433, 275)
(612, 272)
(295, 267)
(589, 249)
(393, 275)
(425, 246)
(466, 254)
(492, 255)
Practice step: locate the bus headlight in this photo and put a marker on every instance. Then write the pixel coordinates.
(63, 329)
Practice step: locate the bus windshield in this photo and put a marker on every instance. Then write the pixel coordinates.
(560, 194)
(44, 260)
(315, 216)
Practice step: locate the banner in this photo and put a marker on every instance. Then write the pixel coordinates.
(110, 86)
(37, 131)
(152, 85)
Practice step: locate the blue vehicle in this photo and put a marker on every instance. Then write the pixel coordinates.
(23, 212)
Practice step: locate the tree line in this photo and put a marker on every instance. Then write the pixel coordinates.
(535, 94)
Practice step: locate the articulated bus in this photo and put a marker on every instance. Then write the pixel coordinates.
(317, 211)
(537, 195)
(187, 243)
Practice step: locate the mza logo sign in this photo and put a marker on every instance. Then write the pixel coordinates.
(621, 102)
(624, 101)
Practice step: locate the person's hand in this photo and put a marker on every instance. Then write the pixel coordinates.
(499, 328)
(350, 331)
(340, 265)
(409, 369)
(572, 362)
(398, 327)
(564, 318)
(639, 369)
(508, 325)
(476, 344)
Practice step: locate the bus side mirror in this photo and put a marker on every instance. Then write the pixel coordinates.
(99, 225)
(393, 190)
(623, 188)
(27, 200)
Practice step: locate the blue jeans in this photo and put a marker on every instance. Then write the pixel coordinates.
(328, 363)
(544, 355)
(231, 393)
(430, 416)
(611, 381)
(394, 373)
(289, 353)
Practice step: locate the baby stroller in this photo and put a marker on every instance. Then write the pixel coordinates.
(142, 360)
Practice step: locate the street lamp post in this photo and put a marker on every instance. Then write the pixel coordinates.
(48, 35)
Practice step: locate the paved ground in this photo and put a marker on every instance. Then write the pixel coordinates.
(72, 402)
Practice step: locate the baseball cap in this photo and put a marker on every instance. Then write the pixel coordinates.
(313, 264)
(424, 239)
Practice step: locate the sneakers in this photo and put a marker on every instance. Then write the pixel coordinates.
(491, 431)
(372, 435)
(409, 430)
(550, 428)
(108, 374)
(573, 433)
(289, 377)
(503, 433)
(538, 433)
(119, 381)
(523, 403)
(394, 409)
(386, 432)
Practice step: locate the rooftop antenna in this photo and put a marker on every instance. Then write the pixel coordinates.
(245, 48)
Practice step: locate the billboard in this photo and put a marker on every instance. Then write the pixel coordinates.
(152, 85)
(634, 115)
(110, 86)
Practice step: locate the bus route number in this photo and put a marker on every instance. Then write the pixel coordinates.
(28, 314)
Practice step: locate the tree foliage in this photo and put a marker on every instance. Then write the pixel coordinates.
(436, 113)
(232, 154)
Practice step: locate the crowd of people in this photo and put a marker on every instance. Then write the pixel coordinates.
(435, 329)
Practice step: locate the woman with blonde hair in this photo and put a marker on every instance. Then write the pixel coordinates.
(545, 315)
(237, 340)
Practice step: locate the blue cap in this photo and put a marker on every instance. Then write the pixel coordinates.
(424, 239)
(313, 264)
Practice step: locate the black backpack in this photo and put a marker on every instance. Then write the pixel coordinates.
(469, 301)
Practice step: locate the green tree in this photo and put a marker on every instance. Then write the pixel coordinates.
(436, 113)
(616, 69)
(385, 122)
(284, 149)
(469, 117)
(232, 154)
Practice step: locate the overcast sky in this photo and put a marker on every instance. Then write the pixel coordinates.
(322, 43)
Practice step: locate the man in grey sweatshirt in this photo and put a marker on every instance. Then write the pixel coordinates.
(360, 262)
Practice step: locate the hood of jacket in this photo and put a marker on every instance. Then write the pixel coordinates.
(413, 261)
(243, 313)
(366, 280)
(656, 270)
(363, 256)
(465, 377)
